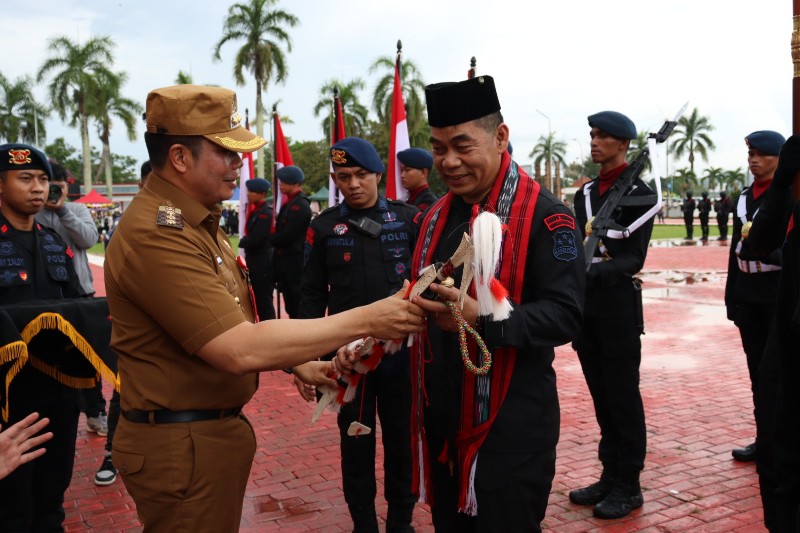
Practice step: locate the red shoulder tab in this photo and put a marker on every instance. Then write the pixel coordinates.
(417, 218)
(70, 253)
(559, 220)
(310, 236)
(4, 228)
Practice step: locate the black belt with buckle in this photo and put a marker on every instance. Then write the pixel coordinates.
(165, 416)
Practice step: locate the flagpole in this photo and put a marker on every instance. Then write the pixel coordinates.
(274, 133)
(796, 84)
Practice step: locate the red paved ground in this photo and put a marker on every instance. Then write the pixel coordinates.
(697, 401)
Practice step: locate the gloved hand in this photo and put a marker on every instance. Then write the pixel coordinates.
(788, 163)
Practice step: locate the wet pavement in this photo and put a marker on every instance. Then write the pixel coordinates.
(697, 401)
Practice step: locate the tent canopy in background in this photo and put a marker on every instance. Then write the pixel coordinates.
(94, 198)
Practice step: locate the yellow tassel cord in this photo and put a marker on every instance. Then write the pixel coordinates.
(53, 372)
(18, 353)
(59, 323)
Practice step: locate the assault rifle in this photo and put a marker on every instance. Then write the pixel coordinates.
(603, 222)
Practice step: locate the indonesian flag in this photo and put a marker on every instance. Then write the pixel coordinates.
(335, 196)
(248, 172)
(282, 158)
(398, 140)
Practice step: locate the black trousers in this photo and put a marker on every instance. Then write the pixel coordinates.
(290, 289)
(511, 490)
(113, 419)
(689, 223)
(263, 289)
(32, 497)
(610, 363)
(754, 323)
(787, 429)
(91, 401)
(390, 396)
(765, 397)
(722, 224)
(704, 226)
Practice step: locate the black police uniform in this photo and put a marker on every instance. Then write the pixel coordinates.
(290, 233)
(704, 209)
(688, 216)
(37, 265)
(723, 209)
(609, 346)
(361, 269)
(258, 253)
(422, 198)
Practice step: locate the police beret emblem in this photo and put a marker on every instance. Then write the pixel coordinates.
(340, 229)
(339, 157)
(19, 157)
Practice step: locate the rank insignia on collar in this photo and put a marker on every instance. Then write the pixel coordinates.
(169, 216)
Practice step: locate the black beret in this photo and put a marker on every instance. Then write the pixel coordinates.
(415, 158)
(291, 175)
(258, 185)
(613, 123)
(356, 152)
(17, 156)
(766, 141)
(451, 103)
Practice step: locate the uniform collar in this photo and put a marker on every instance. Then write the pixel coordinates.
(380, 205)
(193, 211)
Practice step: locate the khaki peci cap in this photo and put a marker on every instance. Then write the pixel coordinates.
(200, 110)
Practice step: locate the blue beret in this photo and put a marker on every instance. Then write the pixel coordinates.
(17, 156)
(766, 141)
(258, 185)
(291, 175)
(510, 149)
(356, 152)
(613, 123)
(415, 158)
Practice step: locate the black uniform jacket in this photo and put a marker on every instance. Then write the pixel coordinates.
(256, 242)
(609, 286)
(290, 232)
(345, 267)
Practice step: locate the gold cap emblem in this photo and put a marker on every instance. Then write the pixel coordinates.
(338, 157)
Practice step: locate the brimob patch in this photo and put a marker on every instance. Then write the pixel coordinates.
(559, 220)
(564, 248)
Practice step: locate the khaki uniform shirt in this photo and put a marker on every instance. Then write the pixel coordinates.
(172, 287)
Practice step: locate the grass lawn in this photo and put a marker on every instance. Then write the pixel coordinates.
(99, 249)
(673, 231)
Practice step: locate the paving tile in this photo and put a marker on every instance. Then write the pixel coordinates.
(698, 406)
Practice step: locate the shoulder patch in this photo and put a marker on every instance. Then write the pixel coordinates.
(559, 220)
(169, 216)
(564, 248)
(310, 236)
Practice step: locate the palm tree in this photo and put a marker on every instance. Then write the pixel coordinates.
(355, 114)
(78, 70)
(20, 114)
(263, 33)
(413, 96)
(549, 150)
(714, 176)
(183, 78)
(691, 136)
(734, 179)
(108, 103)
(636, 146)
(686, 179)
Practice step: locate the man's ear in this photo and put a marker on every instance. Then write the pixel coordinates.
(180, 157)
(380, 175)
(501, 135)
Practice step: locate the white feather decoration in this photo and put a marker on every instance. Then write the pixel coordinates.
(487, 240)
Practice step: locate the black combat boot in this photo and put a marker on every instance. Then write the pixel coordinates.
(623, 498)
(364, 519)
(595, 492)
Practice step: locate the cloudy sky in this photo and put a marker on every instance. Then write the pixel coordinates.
(554, 63)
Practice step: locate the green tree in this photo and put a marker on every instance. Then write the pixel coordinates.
(312, 158)
(355, 113)
(413, 96)
(263, 33)
(734, 180)
(685, 180)
(65, 154)
(125, 169)
(637, 145)
(109, 103)
(183, 78)
(691, 136)
(713, 177)
(549, 150)
(21, 117)
(77, 71)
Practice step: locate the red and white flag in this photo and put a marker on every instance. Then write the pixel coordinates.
(248, 172)
(398, 140)
(283, 158)
(335, 196)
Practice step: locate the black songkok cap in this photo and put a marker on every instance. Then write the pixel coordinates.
(452, 103)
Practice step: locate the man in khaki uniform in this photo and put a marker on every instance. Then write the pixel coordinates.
(183, 322)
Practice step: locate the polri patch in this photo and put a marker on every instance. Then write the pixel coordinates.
(340, 229)
(564, 248)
